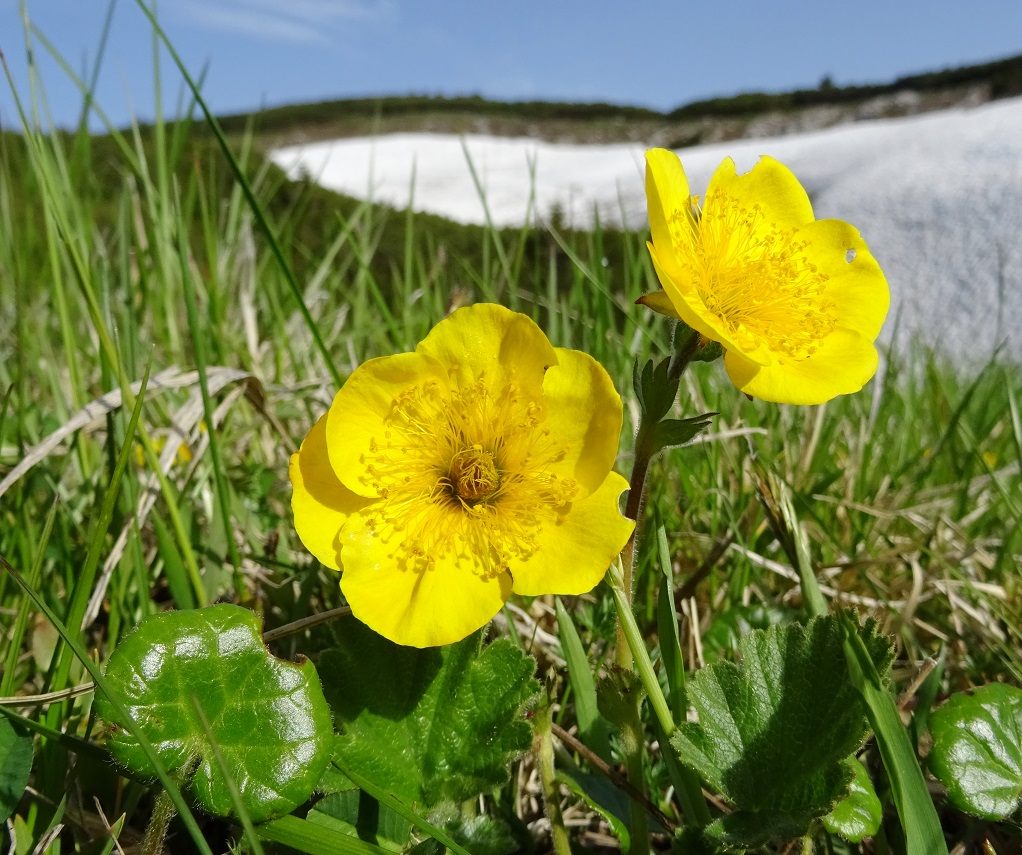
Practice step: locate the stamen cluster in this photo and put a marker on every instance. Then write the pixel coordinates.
(465, 468)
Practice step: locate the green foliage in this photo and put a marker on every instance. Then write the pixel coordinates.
(15, 767)
(654, 391)
(775, 728)
(429, 725)
(316, 839)
(977, 750)
(617, 694)
(1004, 78)
(356, 813)
(858, 815)
(912, 483)
(593, 728)
(671, 433)
(202, 683)
(480, 835)
(597, 795)
(916, 812)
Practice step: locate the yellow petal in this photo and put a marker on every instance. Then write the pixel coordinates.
(667, 194)
(584, 415)
(493, 342)
(573, 556)
(694, 313)
(844, 363)
(356, 416)
(770, 185)
(660, 303)
(857, 287)
(416, 607)
(321, 503)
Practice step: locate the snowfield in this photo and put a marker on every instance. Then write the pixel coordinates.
(938, 197)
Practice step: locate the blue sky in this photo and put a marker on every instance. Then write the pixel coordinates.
(658, 54)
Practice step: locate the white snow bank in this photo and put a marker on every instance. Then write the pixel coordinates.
(520, 177)
(938, 198)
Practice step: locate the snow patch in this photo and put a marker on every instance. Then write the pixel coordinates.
(937, 197)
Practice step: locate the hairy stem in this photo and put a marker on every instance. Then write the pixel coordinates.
(156, 831)
(543, 745)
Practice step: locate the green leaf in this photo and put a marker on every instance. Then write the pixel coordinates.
(268, 717)
(480, 835)
(686, 784)
(313, 839)
(667, 631)
(672, 432)
(616, 818)
(653, 390)
(428, 847)
(774, 729)
(359, 814)
(592, 727)
(919, 820)
(15, 767)
(430, 725)
(858, 815)
(977, 750)
(420, 822)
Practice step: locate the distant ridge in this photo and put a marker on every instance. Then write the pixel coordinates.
(697, 122)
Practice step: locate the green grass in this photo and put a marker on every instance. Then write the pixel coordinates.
(124, 252)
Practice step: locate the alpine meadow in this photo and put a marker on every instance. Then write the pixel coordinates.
(333, 527)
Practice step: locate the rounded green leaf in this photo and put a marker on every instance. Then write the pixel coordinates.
(858, 815)
(977, 750)
(267, 717)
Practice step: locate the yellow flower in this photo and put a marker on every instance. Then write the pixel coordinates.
(796, 302)
(440, 481)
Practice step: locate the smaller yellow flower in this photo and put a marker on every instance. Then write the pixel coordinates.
(440, 481)
(796, 302)
(183, 456)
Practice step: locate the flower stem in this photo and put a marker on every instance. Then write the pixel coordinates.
(633, 742)
(543, 745)
(690, 792)
(630, 652)
(633, 510)
(686, 345)
(633, 638)
(156, 831)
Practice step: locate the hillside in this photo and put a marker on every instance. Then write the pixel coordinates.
(752, 114)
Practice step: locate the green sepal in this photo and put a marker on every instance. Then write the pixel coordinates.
(775, 728)
(428, 725)
(977, 750)
(710, 351)
(268, 717)
(858, 815)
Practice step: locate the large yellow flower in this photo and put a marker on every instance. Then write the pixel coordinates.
(796, 302)
(440, 481)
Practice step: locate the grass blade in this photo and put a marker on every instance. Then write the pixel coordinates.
(923, 834)
(591, 725)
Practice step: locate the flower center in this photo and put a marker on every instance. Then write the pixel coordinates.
(754, 276)
(469, 470)
(474, 475)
